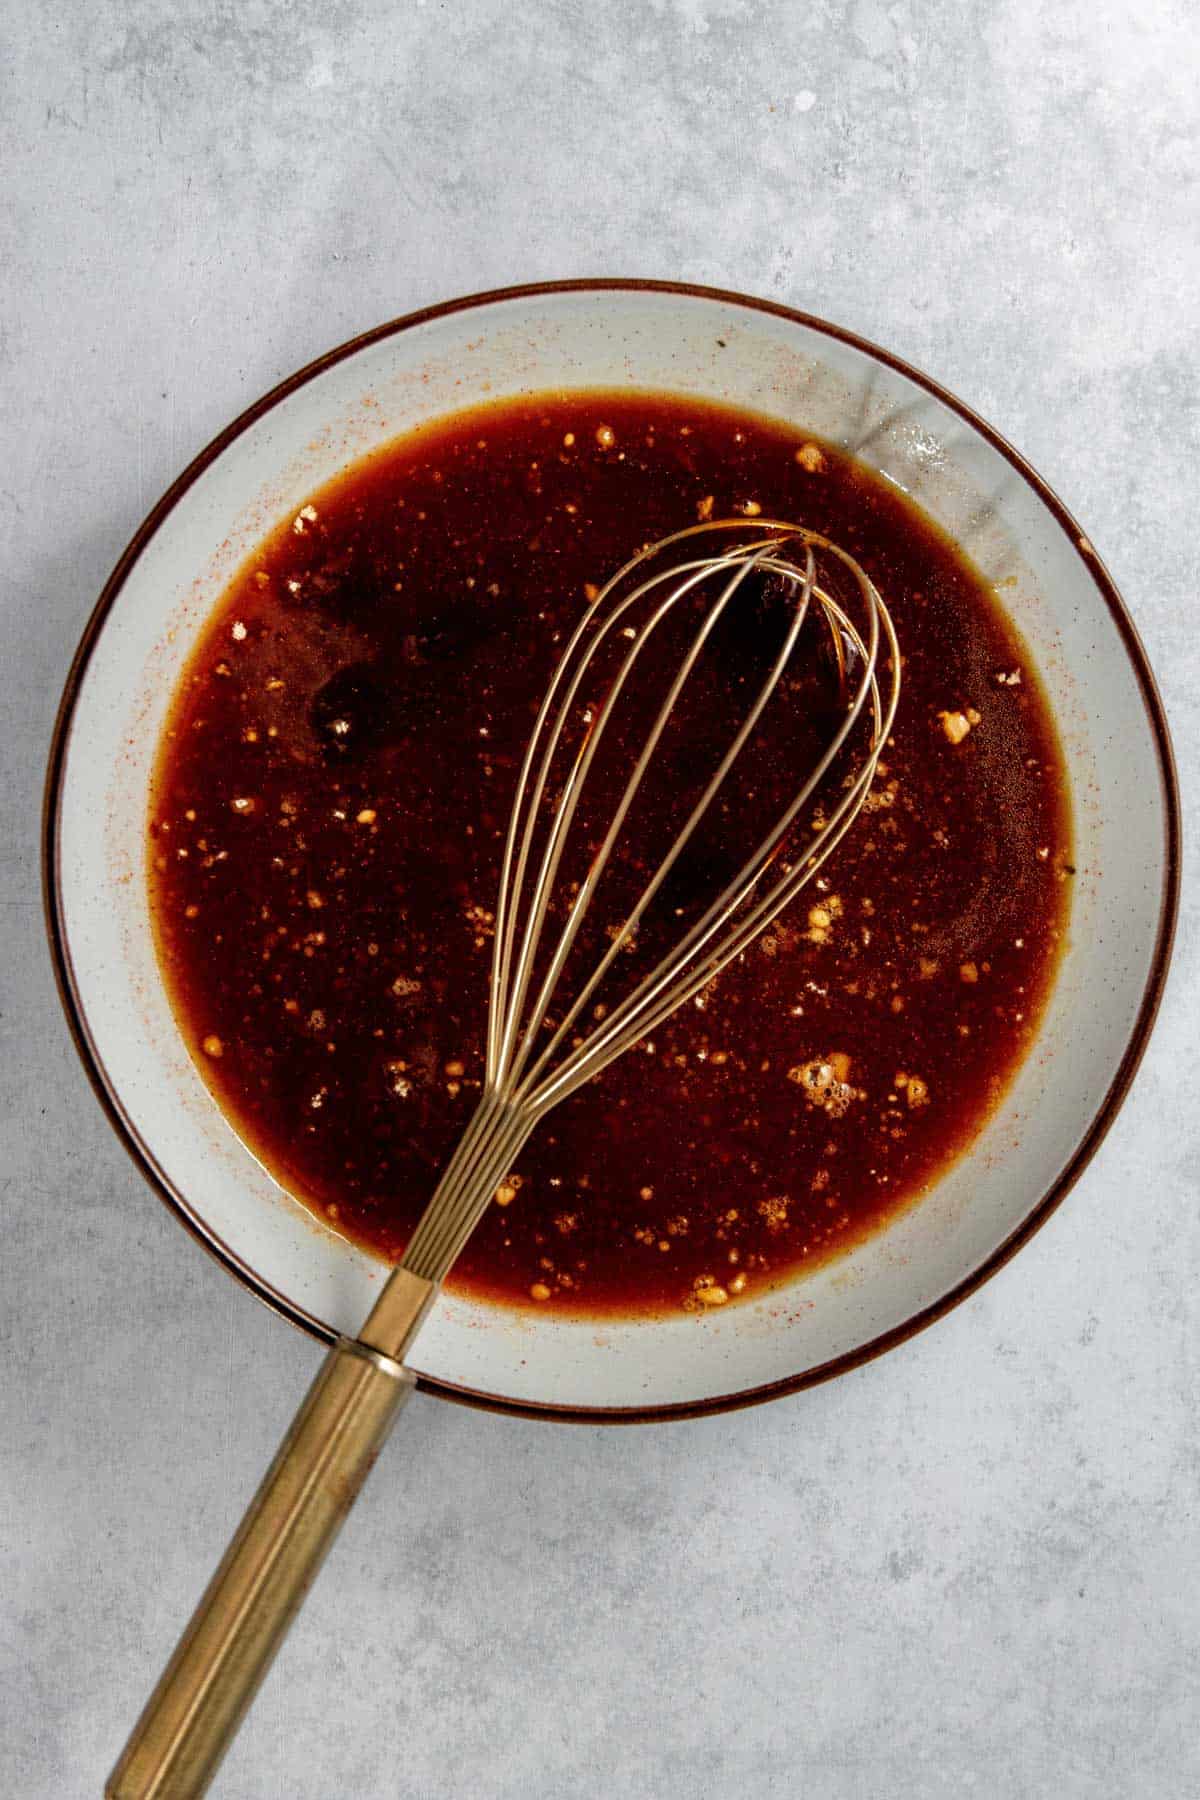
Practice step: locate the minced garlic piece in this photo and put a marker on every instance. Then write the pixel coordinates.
(506, 1193)
(821, 918)
(825, 1082)
(956, 725)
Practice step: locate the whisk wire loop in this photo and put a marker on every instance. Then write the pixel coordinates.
(527, 1073)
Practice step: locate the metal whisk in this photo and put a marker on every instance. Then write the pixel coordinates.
(526, 1075)
(543, 1042)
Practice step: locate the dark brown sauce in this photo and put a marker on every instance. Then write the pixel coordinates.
(328, 814)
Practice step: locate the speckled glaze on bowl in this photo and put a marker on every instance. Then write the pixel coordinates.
(747, 353)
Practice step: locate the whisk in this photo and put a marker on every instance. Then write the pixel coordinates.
(547, 1035)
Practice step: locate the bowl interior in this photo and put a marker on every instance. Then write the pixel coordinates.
(797, 371)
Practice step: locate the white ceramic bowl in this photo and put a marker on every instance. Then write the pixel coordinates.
(820, 379)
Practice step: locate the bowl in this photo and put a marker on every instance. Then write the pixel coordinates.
(748, 353)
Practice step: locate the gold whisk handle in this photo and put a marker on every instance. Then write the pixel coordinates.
(229, 1645)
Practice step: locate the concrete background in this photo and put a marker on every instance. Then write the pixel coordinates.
(969, 1568)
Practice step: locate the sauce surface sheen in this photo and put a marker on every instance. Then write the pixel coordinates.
(329, 806)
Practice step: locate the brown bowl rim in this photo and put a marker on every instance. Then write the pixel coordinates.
(1105, 1113)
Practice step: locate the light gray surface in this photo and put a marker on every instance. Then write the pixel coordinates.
(970, 1567)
